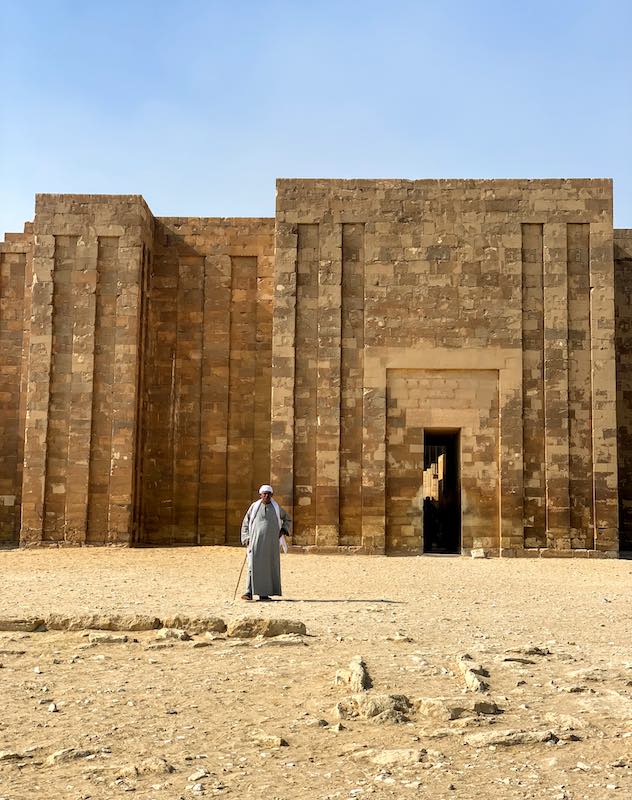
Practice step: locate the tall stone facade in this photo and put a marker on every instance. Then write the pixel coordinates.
(397, 357)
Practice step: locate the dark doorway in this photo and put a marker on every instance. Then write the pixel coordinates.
(441, 492)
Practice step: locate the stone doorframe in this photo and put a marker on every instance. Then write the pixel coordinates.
(508, 365)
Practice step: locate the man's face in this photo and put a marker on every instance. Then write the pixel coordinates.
(265, 497)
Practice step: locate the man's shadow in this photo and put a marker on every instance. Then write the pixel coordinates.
(337, 600)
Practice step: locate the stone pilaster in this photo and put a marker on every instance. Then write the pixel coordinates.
(328, 386)
(556, 388)
(603, 387)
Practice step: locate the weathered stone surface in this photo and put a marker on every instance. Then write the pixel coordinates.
(152, 765)
(21, 623)
(67, 754)
(356, 676)
(474, 682)
(107, 638)
(375, 707)
(404, 757)
(173, 633)
(102, 622)
(11, 755)
(270, 740)
(439, 710)
(249, 627)
(465, 662)
(282, 640)
(194, 625)
(509, 738)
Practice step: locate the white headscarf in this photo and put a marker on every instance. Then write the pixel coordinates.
(266, 488)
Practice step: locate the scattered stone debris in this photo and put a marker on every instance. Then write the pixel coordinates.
(337, 728)
(282, 640)
(356, 676)
(509, 738)
(438, 709)
(198, 775)
(107, 638)
(250, 627)
(316, 723)
(267, 740)
(152, 765)
(67, 754)
(472, 672)
(404, 757)
(530, 650)
(160, 645)
(173, 633)
(399, 637)
(12, 755)
(375, 707)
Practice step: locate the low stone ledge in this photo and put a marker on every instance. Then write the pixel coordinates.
(102, 622)
(194, 624)
(249, 627)
(242, 628)
(25, 624)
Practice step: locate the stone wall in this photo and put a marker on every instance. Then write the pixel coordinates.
(376, 279)
(146, 410)
(15, 267)
(205, 398)
(139, 355)
(83, 364)
(623, 303)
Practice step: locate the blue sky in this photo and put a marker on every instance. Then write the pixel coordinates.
(199, 106)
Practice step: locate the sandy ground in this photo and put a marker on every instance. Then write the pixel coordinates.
(214, 715)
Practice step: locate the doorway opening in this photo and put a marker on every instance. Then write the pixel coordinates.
(441, 492)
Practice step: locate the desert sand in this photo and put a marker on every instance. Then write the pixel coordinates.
(215, 715)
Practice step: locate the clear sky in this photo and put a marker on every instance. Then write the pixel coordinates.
(199, 104)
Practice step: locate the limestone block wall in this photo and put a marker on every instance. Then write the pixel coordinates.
(512, 279)
(205, 396)
(623, 305)
(89, 255)
(469, 396)
(15, 267)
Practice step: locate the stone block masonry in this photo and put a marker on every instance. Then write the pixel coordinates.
(154, 371)
(485, 308)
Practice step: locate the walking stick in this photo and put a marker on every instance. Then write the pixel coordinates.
(240, 574)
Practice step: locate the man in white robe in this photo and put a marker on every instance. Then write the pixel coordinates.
(262, 528)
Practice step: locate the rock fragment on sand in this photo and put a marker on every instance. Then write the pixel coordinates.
(67, 754)
(195, 625)
(107, 638)
(283, 640)
(11, 755)
(438, 709)
(152, 765)
(27, 624)
(173, 633)
(509, 738)
(404, 757)
(250, 627)
(472, 673)
(377, 708)
(356, 676)
(270, 740)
